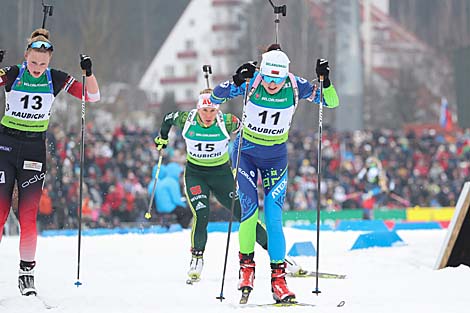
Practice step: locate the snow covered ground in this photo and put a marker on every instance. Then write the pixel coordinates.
(147, 273)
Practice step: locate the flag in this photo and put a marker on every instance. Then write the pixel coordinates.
(445, 119)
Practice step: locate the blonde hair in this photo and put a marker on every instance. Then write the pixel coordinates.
(204, 91)
(40, 34)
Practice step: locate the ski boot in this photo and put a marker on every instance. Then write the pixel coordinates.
(195, 267)
(281, 293)
(26, 278)
(246, 276)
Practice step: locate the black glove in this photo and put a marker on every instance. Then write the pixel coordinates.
(323, 69)
(85, 64)
(244, 72)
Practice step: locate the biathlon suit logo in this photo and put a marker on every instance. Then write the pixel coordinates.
(195, 190)
(33, 180)
(200, 205)
(279, 189)
(276, 65)
(36, 116)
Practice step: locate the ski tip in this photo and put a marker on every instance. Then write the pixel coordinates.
(192, 280)
(246, 291)
(77, 283)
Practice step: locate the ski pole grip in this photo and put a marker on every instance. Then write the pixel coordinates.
(207, 69)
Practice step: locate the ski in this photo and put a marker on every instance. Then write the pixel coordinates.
(279, 304)
(27, 299)
(304, 273)
(245, 295)
(46, 305)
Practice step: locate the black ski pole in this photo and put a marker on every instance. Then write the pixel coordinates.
(320, 128)
(235, 191)
(82, 156)
(207, 69)
(2, 54)
(278, 10)
(47, 10)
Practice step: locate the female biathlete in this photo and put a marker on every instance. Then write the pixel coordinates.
(206, 131)
(31, 88)
(273, 95)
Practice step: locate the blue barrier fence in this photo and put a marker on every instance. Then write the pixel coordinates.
(359, 225)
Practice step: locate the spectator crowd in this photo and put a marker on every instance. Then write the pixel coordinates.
(427, 169)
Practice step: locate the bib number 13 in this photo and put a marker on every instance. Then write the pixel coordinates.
(37, 102)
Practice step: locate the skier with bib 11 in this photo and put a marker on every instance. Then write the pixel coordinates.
(273, 94)
(30, 90)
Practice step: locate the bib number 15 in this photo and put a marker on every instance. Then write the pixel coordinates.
(205, 147)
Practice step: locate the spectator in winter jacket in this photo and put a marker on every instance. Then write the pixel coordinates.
(161, 175)
(168, 195)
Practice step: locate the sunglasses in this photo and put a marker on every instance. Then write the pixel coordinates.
(269, 79)
(41, 44)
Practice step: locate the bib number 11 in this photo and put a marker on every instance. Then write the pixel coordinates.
(264, 116)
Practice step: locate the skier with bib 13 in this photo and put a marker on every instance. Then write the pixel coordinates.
(30, 90)
(273, 94)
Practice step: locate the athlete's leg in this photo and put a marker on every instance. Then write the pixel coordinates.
(248, 195)
(197, 194)
(31, 175)
(7, 177)
(221, 184)
(274, 178)
(274, 174)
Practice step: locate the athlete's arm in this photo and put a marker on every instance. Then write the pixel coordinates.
(307, 89)
(173, 118)
(8, 75)
(232, 123)
(228, 90)
(63, 81)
